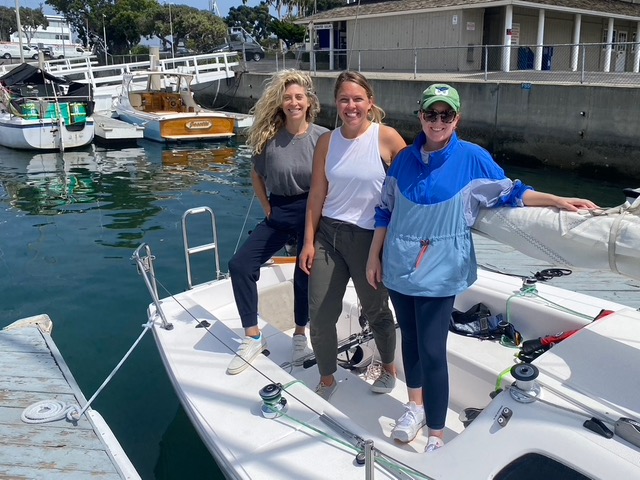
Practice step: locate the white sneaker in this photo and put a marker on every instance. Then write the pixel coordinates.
(300, 350)
(409, 423)
(433, 443)
(249, 349)
(326, 392)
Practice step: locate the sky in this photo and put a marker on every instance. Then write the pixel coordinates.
(223, 5)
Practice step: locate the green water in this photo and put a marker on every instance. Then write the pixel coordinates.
(68, 226)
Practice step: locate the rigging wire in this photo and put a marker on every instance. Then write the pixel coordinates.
(392, 465)
(244, 224)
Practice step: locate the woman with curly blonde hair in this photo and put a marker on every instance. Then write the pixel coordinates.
(282, 139)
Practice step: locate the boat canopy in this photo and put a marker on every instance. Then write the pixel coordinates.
(26, 74)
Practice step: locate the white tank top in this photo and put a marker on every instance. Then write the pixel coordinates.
(355, 174)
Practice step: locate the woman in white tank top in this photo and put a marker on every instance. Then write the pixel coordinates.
(348, 171)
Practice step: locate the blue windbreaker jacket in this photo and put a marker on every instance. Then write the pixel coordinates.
(428, 210)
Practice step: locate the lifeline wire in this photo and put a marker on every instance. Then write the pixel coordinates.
(384, 463)
(243, 225)
(395, 466)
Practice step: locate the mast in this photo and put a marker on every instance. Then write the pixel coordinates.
(19, 30)
(213, 7)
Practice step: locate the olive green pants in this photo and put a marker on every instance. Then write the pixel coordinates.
(341, 251)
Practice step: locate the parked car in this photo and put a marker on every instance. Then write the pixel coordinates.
(183, 52)
(12, 50)
(236, 43)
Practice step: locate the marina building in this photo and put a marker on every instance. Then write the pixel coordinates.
(476, 35)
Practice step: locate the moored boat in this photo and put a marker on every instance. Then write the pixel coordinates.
(43, 112)
(167, 110)
(570, 411)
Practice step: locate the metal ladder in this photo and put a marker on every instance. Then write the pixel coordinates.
(193, 250)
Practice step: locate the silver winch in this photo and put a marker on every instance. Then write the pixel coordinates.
(273, 403)
(525, 389)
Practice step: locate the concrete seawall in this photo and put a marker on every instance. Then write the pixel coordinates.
(590, 128)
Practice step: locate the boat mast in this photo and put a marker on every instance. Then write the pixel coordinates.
(19, 30)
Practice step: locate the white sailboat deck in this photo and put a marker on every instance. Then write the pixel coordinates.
(33, 370)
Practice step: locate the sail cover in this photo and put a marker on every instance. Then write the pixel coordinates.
(602, 239)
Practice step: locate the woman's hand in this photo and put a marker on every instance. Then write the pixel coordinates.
(305, 259)
(374, 271)
(531, 198)
(575, 204)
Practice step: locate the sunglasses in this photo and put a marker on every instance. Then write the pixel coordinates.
(432, 116)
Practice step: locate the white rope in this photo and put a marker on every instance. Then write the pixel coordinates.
(52, 410)
(49, 411)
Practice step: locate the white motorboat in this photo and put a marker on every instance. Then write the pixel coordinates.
(165, 107)
(44, 112)
(571, 413)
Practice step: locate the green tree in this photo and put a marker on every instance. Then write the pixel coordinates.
(199, 30)
(84, 16)
(123, 21)
(288, 32)
(8, 23)
(127, 22)
(30, 20)
(321, 6)
(255, 20)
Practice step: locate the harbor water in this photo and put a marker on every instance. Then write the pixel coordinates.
(68, 226)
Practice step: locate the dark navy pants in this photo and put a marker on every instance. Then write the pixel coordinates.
(269, 236)
(424, 324)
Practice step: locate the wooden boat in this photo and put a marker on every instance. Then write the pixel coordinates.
(167, 110)
(572, 412)
(44, 112)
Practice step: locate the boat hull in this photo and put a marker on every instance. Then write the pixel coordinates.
(181, 127)
(226, 409)
(43, 134)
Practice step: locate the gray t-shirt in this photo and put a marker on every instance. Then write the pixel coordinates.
(285, 163)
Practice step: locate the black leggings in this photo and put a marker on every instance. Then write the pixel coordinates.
(424, 323)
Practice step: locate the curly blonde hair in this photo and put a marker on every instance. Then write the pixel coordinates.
(377, 113)
(268, 116)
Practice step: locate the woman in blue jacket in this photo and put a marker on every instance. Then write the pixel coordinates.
(430, 199)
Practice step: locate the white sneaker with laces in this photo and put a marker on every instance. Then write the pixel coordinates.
(300, 349)
(249, 349)
(433, 443)
(409, 423)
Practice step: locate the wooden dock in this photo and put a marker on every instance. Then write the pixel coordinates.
(32, 370)
(601, 284)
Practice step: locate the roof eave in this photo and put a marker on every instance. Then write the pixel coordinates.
(501, 3)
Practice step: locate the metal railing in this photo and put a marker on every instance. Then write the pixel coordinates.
(585, 63)
(87, 70)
